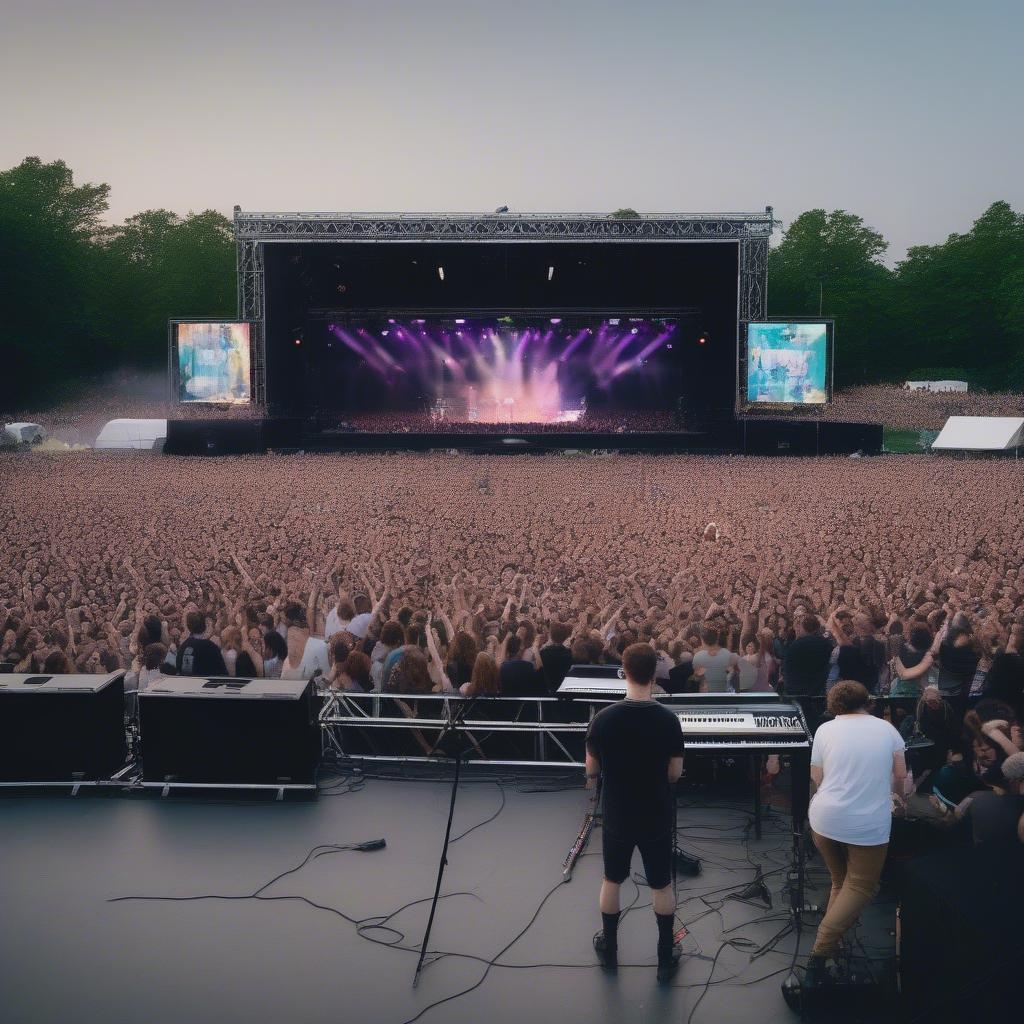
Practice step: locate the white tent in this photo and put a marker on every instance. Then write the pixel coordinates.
(980, 434)
(140, 434)
(936, 385)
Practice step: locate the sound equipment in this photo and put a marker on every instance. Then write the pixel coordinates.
(780, 437)
(809, 437)
(960, 940)
(847, 438)
(61, 728)
(214, 437)
(229, 731)
(283, 432)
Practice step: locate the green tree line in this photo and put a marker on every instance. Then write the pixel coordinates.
(79, 297)
(950, 310)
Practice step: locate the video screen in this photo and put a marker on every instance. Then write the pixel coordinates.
(525, 369)
(213, 362)
(787, 363)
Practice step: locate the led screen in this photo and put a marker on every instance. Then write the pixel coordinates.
(502, 370)
(213, 362)
(787, 363)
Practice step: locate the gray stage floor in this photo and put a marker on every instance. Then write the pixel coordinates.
(68, 954)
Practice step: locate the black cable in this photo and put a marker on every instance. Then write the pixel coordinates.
(486, 821)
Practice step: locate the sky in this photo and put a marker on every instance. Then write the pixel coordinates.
(906, 112)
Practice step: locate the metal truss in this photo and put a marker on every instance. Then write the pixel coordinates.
(750, 231)
(568, 227)
(251, 307)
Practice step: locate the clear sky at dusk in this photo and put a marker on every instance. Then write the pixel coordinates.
(907, 112)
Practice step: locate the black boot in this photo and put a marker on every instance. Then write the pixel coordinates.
(607, 953)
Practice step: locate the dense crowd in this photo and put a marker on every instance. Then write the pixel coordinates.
(412, 573)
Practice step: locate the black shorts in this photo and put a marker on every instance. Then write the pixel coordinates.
(655, 853)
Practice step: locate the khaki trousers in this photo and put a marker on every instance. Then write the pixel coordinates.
(855, 872)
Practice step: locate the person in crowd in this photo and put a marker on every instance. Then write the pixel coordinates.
(462, 655)
(307, 654)
(635, 746)
(275, 653)
(760, 657)
(519, 677)
(485, 680)
(858, 768)
(1005, 678)
(995, 815)
(863, 658)
(391, 638)
(199, 655)
(555, 656)
(340, 617)
(956, 653)
(713, 665)
(353, 673)
(805, 669)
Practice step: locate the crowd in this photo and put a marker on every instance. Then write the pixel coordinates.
(488, 574)
(605, 421)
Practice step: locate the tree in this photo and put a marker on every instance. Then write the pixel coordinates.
(626, 213)
(961, 303)
(829, 264)
(47, 228)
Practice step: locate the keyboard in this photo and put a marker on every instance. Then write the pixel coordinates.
(741, 728)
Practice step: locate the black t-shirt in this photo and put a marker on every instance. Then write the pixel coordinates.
(1005, 680)
(862, 661)
(679, 677)
(806, 665)
(634, 740)
(200, 657)
(957, 666)
(556, 660)
(518, 678)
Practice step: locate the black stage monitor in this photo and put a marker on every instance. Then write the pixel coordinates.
(61, 728)
(229, 731)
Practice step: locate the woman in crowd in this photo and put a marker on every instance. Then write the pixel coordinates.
(462, 655)
(275, 653)
(857, 765)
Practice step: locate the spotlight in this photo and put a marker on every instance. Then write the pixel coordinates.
(556, 319)
(384, 334)
(551, 273)
(703, 339)
(635, 330)
(669, 345)
(391, 321)
(440, 272)
(342, 288)
(298, 341)
(460, 321)
(614, 322)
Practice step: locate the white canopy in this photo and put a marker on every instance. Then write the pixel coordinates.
(980, 434)
(139, 434)
(936, 385)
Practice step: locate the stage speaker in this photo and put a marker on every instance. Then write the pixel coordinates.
(214, 437)
(780, 437)
(224, 731)
(283, 432)
(847, 438)
(960, 940)
(57, 728)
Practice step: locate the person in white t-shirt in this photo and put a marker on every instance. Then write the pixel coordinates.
(857, 764)
(307, 654)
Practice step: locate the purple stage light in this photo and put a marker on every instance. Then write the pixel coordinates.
(556, 319)
(460, 321)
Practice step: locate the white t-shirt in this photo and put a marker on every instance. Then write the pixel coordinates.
(334, 624)
(314, 656)
(853, 804)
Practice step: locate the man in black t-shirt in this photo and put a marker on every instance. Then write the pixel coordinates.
(198, 655)
(805, 669)
(518, 677)
(555, 657)
(636, 748)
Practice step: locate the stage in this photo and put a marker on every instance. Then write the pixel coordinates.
(67, 953)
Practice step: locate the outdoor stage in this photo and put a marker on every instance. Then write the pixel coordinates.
(265, 961)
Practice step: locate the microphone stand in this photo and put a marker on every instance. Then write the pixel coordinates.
(450, 726)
